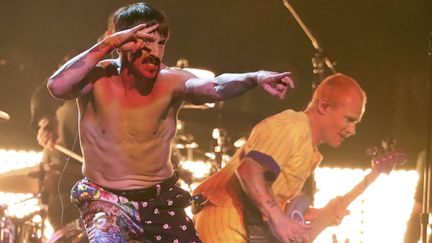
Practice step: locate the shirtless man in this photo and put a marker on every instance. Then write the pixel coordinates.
(128, 109)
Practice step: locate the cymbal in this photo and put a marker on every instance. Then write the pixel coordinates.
(18, 181)
(220, 118)
(4, 116)
(199, 107)
(38, 174)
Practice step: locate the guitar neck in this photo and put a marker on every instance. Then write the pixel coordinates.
(359, 188)
(326, 218)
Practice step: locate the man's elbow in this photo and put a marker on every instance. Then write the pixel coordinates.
(56, 89)
(246, 169)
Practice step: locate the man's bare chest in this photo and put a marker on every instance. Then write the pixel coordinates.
(131, 112)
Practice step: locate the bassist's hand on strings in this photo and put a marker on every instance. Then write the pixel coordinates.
(337, 215)
(339, 210)
(312, 213)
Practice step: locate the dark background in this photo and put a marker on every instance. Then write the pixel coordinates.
(383, 44)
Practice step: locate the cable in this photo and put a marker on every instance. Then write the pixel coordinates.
(61, 176)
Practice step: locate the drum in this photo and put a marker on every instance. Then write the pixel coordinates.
(7, 230)
(28, 232)
(71, 232)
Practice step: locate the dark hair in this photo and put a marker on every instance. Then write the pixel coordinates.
(138, 13)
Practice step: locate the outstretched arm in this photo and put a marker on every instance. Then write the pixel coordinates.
(251, 177)
(228, 86)
(76, 77)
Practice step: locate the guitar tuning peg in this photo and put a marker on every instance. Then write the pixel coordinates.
(389, 144)
(393, 143)
(372, 151)
(385, 144)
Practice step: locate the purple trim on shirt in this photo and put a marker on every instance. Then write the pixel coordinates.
(266, 160)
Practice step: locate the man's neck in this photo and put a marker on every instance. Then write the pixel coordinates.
(314, 127)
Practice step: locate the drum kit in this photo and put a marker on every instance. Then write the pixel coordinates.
(31, 227)
(195, 163)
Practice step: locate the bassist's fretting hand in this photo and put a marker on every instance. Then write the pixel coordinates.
(339, 212)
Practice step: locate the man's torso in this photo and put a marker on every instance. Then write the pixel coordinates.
(126, 136)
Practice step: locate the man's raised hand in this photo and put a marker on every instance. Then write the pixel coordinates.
(275, 84)
(132, 39)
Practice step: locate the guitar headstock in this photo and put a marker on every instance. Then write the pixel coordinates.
(385, 157)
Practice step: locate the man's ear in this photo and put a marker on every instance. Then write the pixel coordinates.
(323, 105)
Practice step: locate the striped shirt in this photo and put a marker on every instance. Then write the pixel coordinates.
(282, 142)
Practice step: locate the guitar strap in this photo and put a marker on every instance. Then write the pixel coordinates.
(256, 229)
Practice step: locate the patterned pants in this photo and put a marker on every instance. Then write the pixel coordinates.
(110, 217)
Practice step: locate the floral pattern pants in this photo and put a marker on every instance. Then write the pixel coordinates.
(109, 217)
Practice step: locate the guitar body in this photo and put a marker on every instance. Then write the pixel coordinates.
(259, 232)
(297, 208)
(383, 161)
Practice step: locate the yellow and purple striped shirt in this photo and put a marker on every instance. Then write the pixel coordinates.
(283, 144)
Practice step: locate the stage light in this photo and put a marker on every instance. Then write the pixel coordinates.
(21, 205)
(17, 159)
(386, 202)
(378, 215)
(199, 168)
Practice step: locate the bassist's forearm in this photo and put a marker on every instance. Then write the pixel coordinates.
(251, 178)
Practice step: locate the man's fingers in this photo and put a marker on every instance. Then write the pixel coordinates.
(145, 36)
(140, 27)
(280, 87)
(272, 91)
(288, 82)
(144, 31)
(284, 79)
(43, 122)
(343, 213)
(51, 144)
(277, 84)
(279, 76)
(145, 28)
(282, 91)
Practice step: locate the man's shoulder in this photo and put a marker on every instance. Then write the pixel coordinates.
(173, 77)
(287, 121)
(287, 117)
(170, 73)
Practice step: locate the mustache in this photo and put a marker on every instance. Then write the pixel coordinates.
(151, 59)
(148, 59)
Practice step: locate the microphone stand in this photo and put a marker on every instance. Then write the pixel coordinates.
(318, 61)
(320, 58)
(427, 171)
